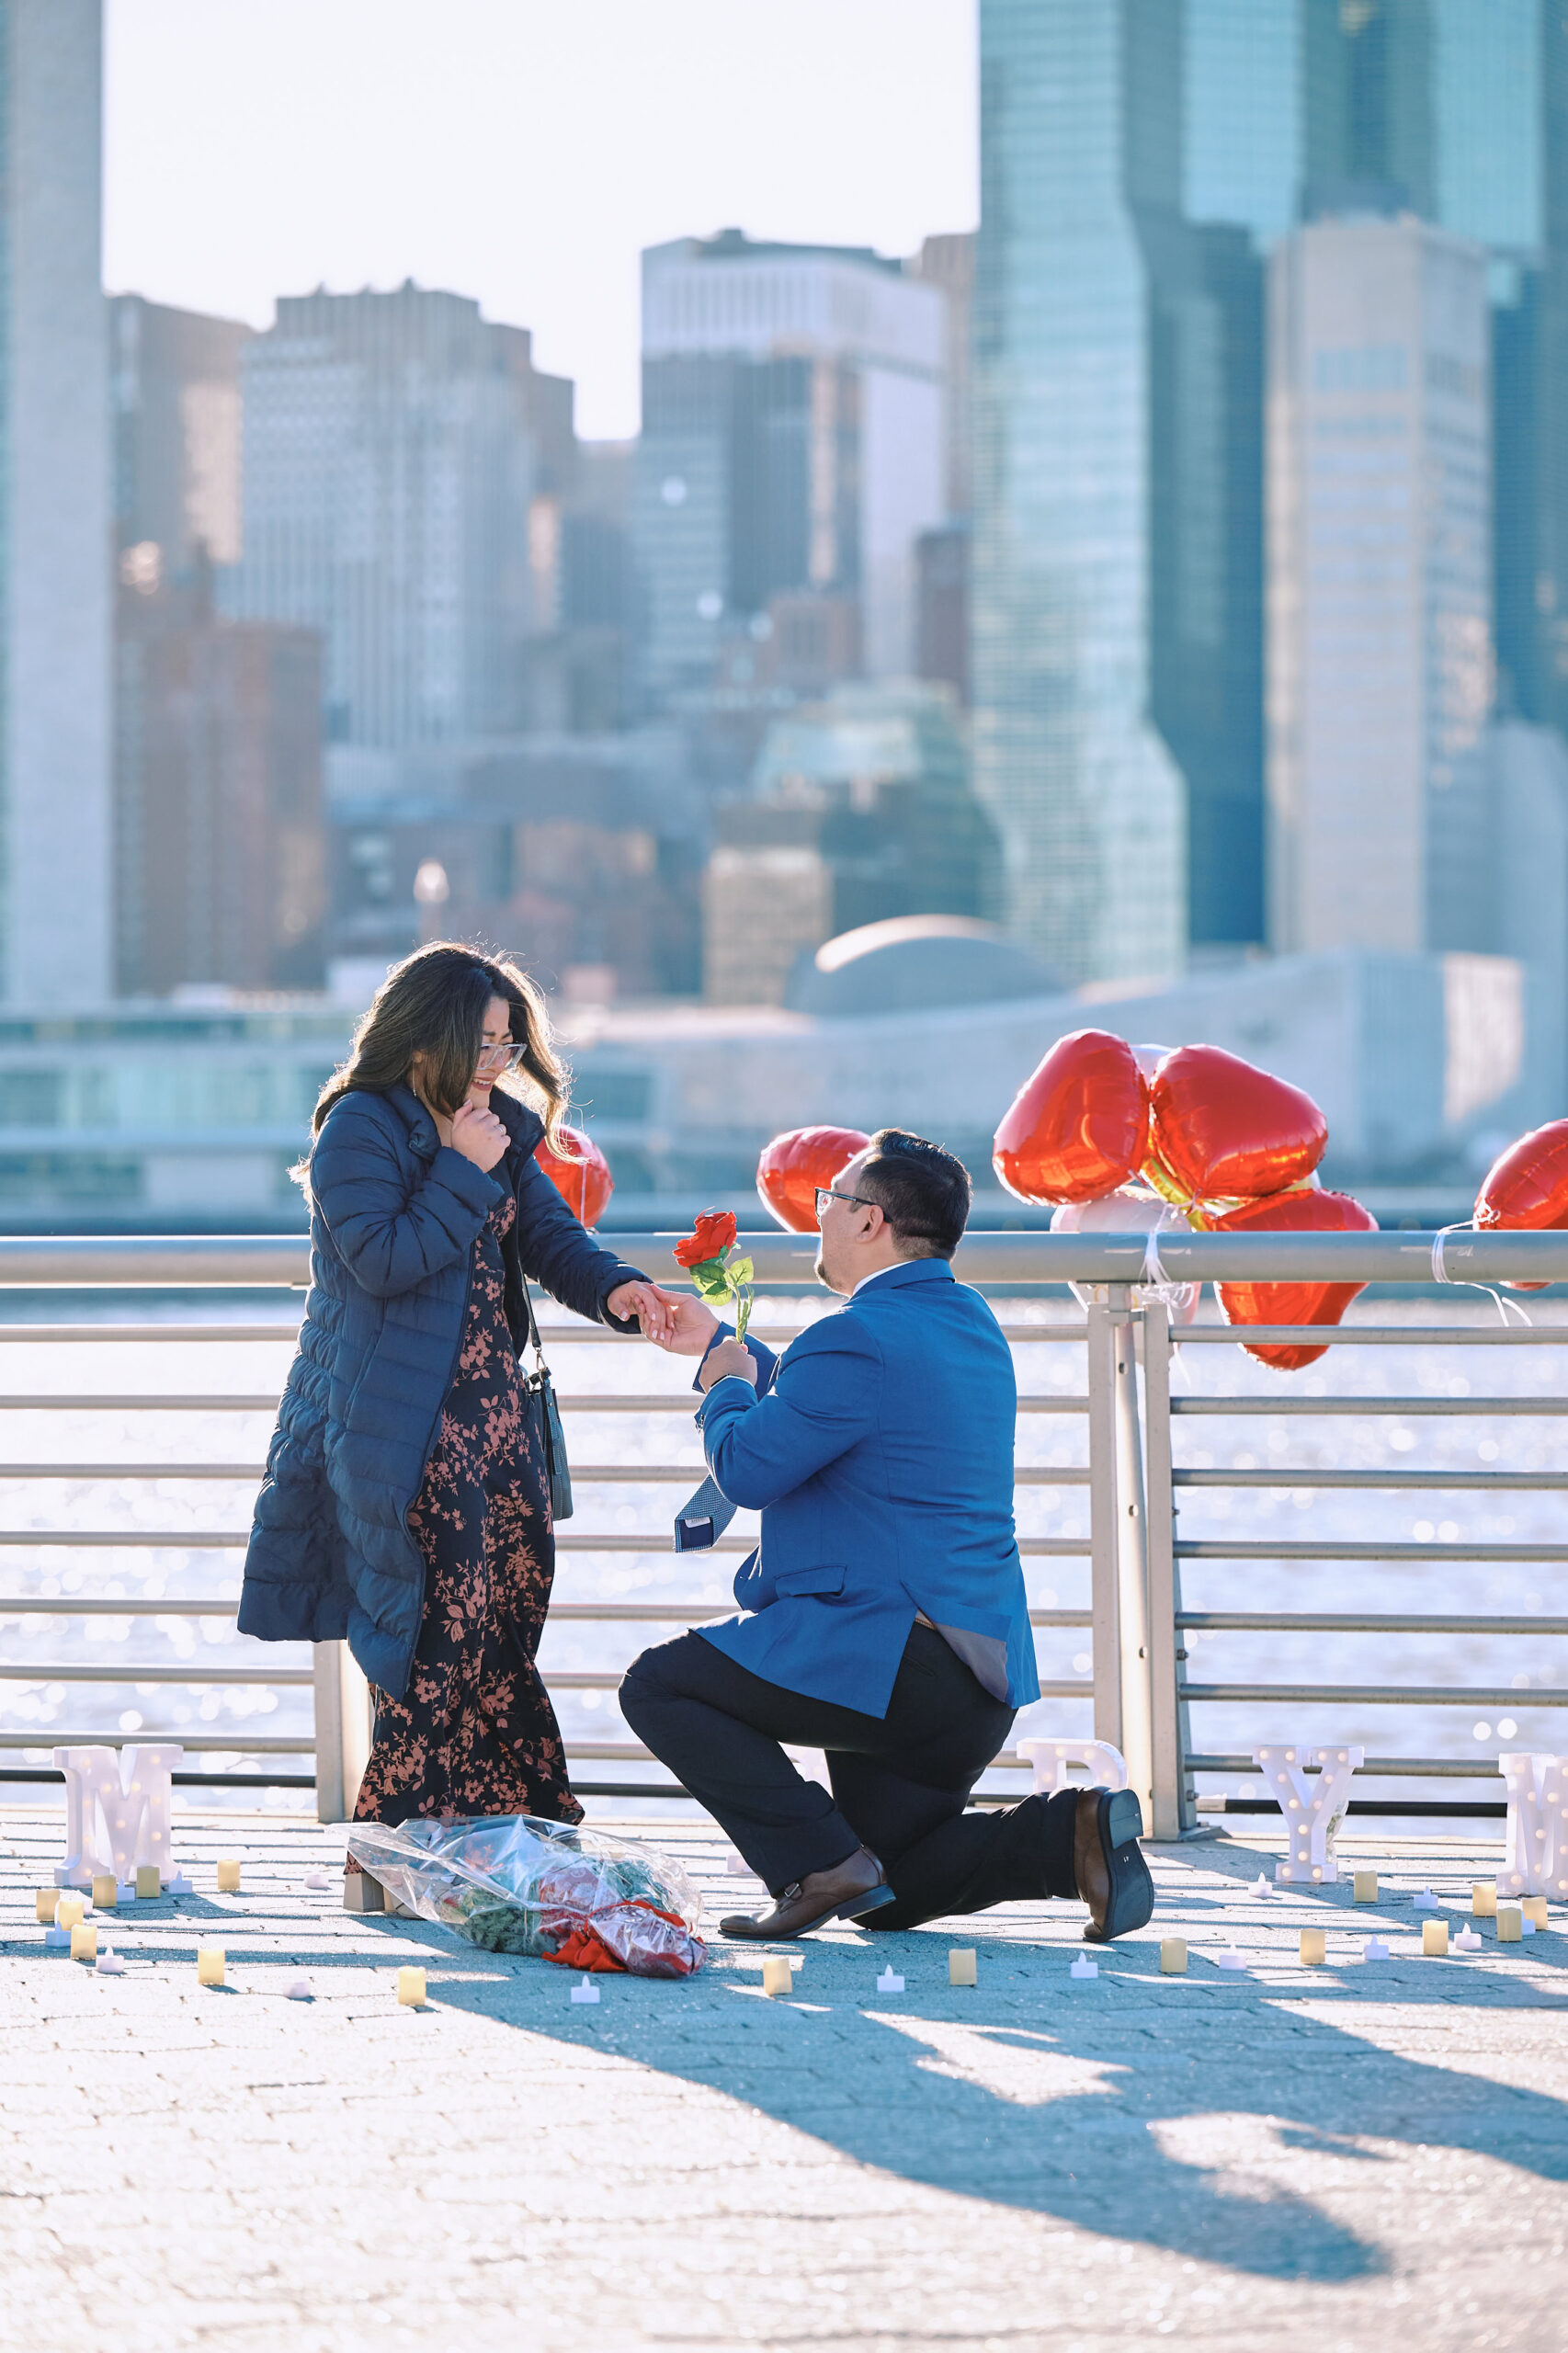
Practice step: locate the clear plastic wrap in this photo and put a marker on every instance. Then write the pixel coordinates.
(564, 1893)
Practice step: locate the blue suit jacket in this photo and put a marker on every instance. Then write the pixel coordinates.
(878, 1448)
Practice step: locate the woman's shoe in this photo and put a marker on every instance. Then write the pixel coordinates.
(1108, 1864)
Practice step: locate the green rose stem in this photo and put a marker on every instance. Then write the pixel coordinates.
(722, 1285)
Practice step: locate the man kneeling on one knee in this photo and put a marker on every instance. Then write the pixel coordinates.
(885, 1619)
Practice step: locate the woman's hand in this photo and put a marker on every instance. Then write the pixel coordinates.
(691, 1326)
(731, 1360)
(650, 1305)
(479, 1136)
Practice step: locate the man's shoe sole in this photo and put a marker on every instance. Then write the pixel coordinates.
(1132, 1904)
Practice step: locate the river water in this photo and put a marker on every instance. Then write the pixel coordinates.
(41, 1707)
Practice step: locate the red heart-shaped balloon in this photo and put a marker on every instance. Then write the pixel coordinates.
(582, 1178)
(1222, 1130)
(1305, 1212)
(1080, 1126)
(1526, 1186)
(795, 1164)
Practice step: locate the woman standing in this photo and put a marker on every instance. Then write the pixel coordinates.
(405, 1503)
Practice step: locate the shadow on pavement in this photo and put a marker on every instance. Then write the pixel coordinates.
(1093, 2110)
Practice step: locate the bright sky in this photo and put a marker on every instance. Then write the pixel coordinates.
(521, 151)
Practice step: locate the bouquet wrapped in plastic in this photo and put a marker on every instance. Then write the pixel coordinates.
(559, 1892)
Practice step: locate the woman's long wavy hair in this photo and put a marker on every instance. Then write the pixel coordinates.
(433, 1004)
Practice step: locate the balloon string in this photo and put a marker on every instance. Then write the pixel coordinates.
(1440, 1273)
(1175, 1297)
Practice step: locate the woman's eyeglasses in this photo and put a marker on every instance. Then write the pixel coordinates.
(506, 1057)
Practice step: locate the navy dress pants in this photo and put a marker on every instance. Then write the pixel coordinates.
(901, 1782)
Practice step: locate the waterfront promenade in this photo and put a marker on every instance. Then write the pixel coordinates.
(1332, 2160)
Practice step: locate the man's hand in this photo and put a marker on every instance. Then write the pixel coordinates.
(650, 1305)
(731, 1360)
(690, 1325)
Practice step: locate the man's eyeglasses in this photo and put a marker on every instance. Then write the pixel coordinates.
(825, 1193)
(506, 1056)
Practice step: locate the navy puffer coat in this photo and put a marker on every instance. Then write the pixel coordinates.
(394, 1217)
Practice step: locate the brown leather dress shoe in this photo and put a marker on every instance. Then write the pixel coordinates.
(1107, 1863)
(851, 1888)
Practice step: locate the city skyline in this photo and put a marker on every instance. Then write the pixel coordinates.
(482, 173)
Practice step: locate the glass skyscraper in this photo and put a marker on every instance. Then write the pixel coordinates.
(1117, 598)
(1140, 160)
(56, 901)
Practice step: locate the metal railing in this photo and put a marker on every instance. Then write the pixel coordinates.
(1143, 1694)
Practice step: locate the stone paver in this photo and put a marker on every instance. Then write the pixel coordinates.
(1292, 2158)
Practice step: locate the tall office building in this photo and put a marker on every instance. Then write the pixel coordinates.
(1459, 113)
(1380, 579)
(56, 941)
(1118, 621)
(792, 441)
(174, 388)
(392, 453)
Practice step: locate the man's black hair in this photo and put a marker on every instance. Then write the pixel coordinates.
(923, 1191)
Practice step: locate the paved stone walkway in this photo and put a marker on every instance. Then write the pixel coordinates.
(1341, 2159)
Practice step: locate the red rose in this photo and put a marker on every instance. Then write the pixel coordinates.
(710, 1238)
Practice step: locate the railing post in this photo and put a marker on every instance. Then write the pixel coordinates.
(1133, 1561)
(1174, 1811)
(1109, 1338)
(343, 1730)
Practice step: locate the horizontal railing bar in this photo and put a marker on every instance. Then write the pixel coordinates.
(1388, 1809)
(140, 1671)
(1036, 1548)
(1376, 1695)
(1388, 1408)
(274, 1745)
(56, 1334)
(632, 1751)
(226, 1539)
(234, 1471)
(70, 1604)
(671, 1612)
(182, 1780)
(1452, 1481)
(1045, 1548)
(1294, 1548)
(1377, 1336)
(1012, 1257)
(248, 1261)
(583, 1474)
(134, 1400)
(266, 1402)
(1313, 1621)
(1451, 1768)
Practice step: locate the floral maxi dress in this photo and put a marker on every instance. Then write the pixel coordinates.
(475, 1733)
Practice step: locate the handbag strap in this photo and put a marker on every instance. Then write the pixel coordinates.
(533, 1339)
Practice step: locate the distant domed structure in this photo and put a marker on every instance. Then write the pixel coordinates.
(915, 964)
